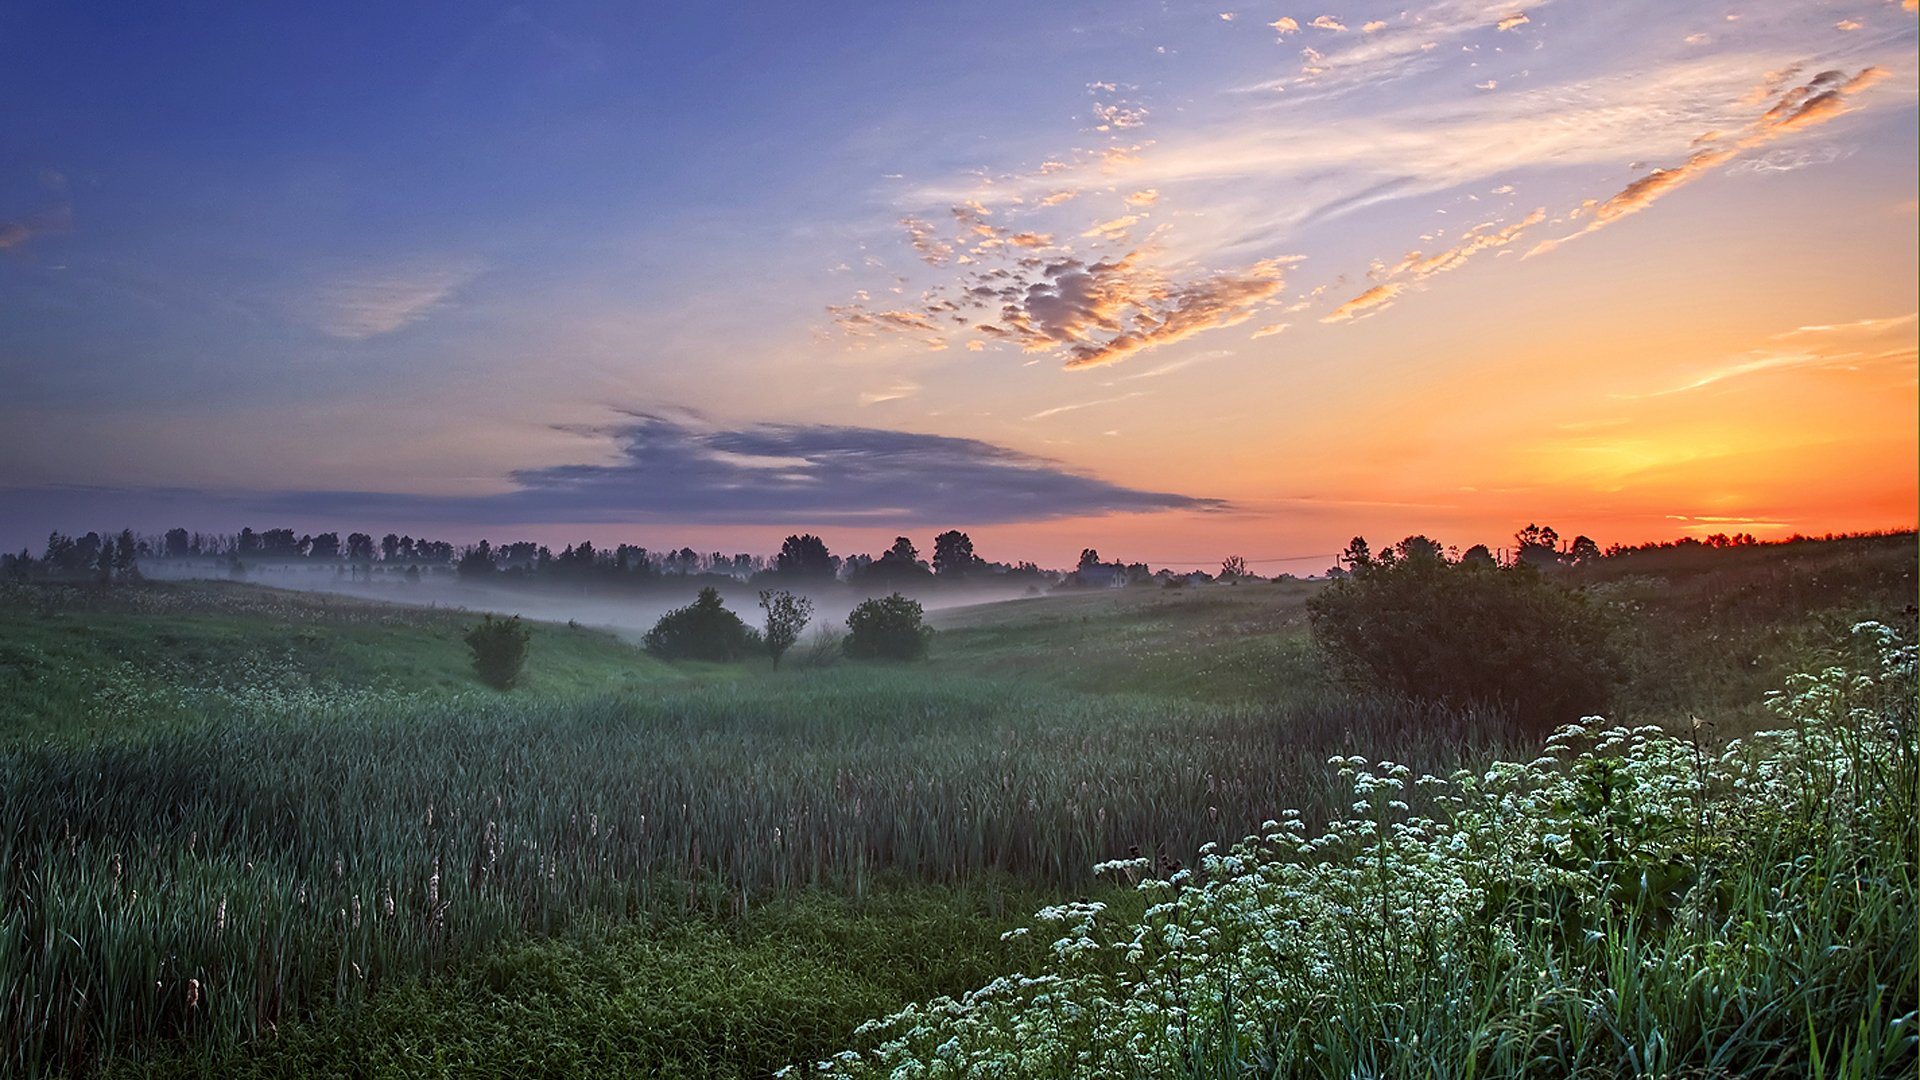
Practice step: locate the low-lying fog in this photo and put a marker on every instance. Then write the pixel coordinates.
(630, 612)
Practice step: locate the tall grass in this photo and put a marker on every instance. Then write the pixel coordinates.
(1632, 903)
(211, 881)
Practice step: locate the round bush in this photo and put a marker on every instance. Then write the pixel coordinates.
(499, 651)
(703, 630)
(1469, 633)
(887, 628)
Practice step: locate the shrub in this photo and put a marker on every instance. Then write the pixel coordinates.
(499, 651)
(822, 648)
(703, 630)
(1468, 634)
(887, 628)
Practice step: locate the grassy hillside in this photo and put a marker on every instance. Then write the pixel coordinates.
(288, 834)
(71, 656)
(1245, 642)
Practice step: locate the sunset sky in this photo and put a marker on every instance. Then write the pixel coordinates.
(1172, 281)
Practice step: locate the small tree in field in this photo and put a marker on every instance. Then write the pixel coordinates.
(787, 615)
(499, 651)
(703, 630)
(887, 628)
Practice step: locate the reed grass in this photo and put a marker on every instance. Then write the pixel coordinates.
(212, 881)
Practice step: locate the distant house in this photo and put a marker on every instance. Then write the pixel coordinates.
(1102, 576)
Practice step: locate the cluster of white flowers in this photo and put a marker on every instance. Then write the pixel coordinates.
(1429, 893)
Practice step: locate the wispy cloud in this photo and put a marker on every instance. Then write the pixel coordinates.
(1172, 366)
(1078, 405)
(16, 233)
(371, 301)
(1814, 102)
(1374, 299)
(1853, 346)
(904, 388)
(1115, 279)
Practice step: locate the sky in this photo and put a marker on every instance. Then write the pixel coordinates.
(1171, 281)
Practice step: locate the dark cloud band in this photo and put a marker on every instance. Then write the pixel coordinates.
(673, 471)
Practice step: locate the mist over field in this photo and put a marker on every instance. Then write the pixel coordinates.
(990, 541)
(630, 612)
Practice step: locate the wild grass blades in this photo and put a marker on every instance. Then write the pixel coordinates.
(213, 881)
(1571, 915)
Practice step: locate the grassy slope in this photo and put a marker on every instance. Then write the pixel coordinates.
(1709, 632)
(1212, 642)
(59, 645)
(691, 998)
(1705, 632)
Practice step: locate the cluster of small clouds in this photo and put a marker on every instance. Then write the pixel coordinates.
(1107, 277)
(1027, 290)
(1417, 266)
(1388, 49)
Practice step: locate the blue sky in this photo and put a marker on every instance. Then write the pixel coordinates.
(1161, 260)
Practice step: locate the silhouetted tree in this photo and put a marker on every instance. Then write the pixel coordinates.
(279, 544)
(126, 556)
(953, 555)
(787, 615)
(1583, 551)
(1357, 556)
(1088, 558)
(1538, 546)
(178, 542)
(806, 558)
(1477, 555)
(1233, 568)
(1418, 547)
(477, 562)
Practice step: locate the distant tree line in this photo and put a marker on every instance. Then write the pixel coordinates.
(803, 559)
(103, 558)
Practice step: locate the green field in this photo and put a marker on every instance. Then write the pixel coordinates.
(252, 832)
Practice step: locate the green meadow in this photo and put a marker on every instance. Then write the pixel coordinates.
(258, 833)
